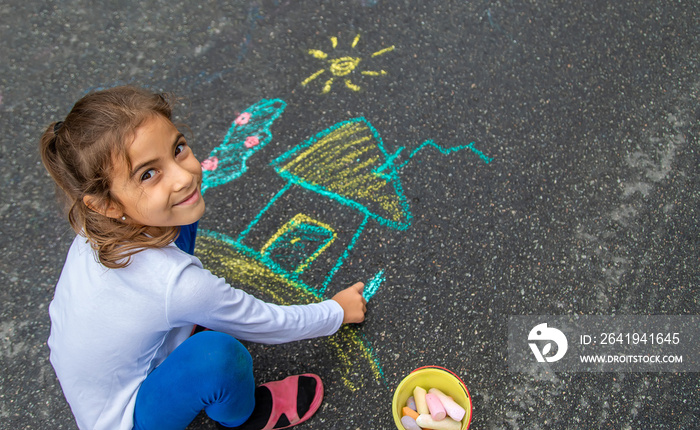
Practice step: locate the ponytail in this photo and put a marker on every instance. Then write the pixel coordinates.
(79, 153)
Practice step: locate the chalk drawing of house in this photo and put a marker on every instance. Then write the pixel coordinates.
(272, 271)
(342, 164)
(346, 165)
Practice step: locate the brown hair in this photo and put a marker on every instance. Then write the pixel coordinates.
(79, 154)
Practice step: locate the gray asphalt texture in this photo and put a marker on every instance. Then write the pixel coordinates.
(590, 205)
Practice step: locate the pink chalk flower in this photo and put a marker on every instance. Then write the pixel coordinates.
(251, 141)
(210, 163)
(242, 118)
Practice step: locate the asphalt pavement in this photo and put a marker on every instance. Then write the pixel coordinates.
(512, 158)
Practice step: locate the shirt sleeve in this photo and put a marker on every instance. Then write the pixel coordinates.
(196, 296)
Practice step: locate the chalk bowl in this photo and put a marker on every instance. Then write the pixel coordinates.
(432, 377)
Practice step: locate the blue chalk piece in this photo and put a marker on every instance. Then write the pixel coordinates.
(411, 403)
(373, 285)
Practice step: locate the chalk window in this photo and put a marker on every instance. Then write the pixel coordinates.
(298, 243)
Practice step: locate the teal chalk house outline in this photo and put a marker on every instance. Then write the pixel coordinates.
(232, 156)
(374, 168)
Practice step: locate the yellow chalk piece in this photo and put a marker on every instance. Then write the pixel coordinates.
(334, 41)
(357, 39)
(419, 397)
(318, 54)
(383, 51)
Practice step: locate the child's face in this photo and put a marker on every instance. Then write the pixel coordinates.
(163, 187)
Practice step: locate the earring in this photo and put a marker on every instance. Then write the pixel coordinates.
(123, 218)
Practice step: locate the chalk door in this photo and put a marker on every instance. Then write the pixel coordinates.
(298, 243)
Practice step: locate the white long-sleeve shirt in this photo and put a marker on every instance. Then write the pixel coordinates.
(111, 327)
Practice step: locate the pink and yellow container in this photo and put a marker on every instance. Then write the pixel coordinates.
(432, 377)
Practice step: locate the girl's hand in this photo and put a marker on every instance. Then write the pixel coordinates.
(352, 302)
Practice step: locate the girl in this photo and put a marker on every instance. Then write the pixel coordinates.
(128, 297)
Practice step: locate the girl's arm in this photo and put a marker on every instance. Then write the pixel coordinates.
(196, 296)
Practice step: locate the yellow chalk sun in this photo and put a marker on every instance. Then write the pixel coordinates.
(341, 67)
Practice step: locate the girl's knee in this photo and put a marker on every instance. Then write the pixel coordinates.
(224, 355)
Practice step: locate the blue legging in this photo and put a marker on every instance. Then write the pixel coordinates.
(210, 371)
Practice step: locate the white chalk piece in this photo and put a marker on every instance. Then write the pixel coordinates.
(426, 421)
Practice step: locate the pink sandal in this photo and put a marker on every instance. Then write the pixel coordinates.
(284, 400)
